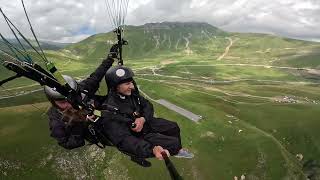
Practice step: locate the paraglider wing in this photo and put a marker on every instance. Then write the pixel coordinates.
(117, 11)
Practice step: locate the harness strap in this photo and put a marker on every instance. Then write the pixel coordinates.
(94, 135)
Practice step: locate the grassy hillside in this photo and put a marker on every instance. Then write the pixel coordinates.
(154, 39)
(258, 95)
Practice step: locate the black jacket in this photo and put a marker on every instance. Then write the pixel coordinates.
(117, 125)
(66, 135)
(155, 132)
(73, 136)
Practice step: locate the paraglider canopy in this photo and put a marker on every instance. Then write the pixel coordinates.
(117, 11)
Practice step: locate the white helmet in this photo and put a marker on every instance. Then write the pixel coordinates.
(54, 95)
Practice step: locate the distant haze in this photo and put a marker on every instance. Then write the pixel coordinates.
(74, 20)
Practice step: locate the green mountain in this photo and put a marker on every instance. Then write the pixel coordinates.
(200, 39)
(153, 39)
(258, 96)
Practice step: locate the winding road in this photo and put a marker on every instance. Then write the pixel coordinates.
(227, 48)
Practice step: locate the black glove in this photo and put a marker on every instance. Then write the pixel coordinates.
(114, 51)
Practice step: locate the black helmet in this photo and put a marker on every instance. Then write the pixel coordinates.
(54, 95)
(117, 75)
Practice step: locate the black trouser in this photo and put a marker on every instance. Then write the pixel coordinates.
(157, 132)
(166, 128)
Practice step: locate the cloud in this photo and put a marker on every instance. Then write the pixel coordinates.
(71, 20)
(56, 20)
(291, 18)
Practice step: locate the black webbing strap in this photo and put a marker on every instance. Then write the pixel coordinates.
(93, 133)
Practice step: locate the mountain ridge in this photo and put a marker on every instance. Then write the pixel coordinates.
(154, 39)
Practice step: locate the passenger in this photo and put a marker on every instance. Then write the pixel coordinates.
(132, 127)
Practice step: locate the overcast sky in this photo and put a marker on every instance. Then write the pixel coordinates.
(74, 20)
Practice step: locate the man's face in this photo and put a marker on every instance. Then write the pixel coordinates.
(125, 88)
(63, 104)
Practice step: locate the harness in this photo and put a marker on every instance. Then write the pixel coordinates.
(95, 126)
(99, 139)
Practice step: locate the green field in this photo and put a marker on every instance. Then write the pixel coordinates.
(260, 104)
